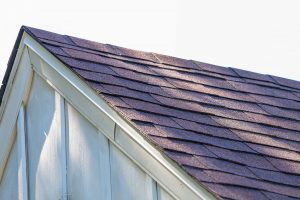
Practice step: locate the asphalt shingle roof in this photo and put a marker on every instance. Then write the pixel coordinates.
(236, 132)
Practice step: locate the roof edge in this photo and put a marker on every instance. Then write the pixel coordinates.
(132, 133)
(12, 59)
(11, 62)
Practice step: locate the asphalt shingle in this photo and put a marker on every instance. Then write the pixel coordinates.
(236, 132)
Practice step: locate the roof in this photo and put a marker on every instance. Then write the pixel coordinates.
(236, 132)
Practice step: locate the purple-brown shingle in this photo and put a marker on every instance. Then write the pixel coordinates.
(236, 132)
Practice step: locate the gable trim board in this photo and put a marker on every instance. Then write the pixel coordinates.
(162, 169)
(12, 66)
(15, 93)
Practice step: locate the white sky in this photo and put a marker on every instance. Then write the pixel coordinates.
(256, 35)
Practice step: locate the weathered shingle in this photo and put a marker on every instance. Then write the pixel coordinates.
(252, 75)
(243, 158)
(236, 192)
(278, 177)
(237, 132)
(287, 82)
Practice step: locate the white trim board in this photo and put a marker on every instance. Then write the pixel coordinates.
(105, 118)
(15, 93)
(12, 76)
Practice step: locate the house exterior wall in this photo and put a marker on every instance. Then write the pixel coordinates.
(88, 159)
(43, 121)
(9, 182)
(69, 158)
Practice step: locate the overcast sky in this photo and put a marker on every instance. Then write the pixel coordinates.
(256, 35)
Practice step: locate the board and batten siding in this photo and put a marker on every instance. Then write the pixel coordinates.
(97, 169)
(70, 159)
(9, 182)
(88, 159)
(162, 194)
(44, 130)
(128, 180)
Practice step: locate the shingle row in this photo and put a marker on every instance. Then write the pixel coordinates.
(236, 132)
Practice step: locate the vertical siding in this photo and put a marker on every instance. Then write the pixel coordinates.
(44, 148)
(128, 180)
(67, 154)
(9, 183)
(88, 159)
(162, 194)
